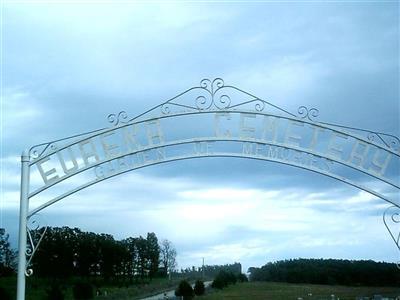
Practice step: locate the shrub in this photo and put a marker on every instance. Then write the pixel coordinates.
(199, 288)
(82, 291)
(6, 271)
(218, 283)
(242, 278)
(55, 292)
(4, 294)
(184, 290)
(223, 279)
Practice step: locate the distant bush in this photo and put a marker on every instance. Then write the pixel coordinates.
(199, 288)
(184, 290)
(83, 291)
(218, 283)
(6, 271)
(54, 293)
(4, 295)
(242, 278)
(223, 279)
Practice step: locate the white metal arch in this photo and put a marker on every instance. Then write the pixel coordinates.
(219, 154)
(372, 154)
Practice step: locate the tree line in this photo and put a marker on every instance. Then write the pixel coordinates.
(211, 271)
(7, 255)
(329, 271)
(66, 252)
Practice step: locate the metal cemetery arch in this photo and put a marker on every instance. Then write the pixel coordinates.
(242, 125)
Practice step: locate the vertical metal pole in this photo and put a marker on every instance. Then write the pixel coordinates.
(23, 213)
(202, 273)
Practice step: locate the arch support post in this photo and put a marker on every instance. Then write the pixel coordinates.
(23, 215)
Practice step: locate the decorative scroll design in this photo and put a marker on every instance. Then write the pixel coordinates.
(311, 114)
(38, 151)
(259, 105)
(35, 232)
(390, 141)
(209, 96)
(215, 98)
(215, 95)
(116, 119)
(391, 219)
(165, 109)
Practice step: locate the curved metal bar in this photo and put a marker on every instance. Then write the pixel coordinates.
(165, 102)
(220, 111)
(33, 247)
(105, 129)
(212, 139)
(367, 131)
(269, 103)
(230, 155)
(394, 218)
(47, 144)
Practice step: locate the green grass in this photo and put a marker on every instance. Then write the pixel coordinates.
(36, 288)
(285, 291)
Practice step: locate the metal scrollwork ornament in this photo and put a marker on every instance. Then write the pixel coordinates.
(37, 151)
(260, 105)
(391, 219)
(116, 119)
(165, 109)
(222, 102)
(395, 144)
(311, 114)
(212, 86)
(34, 153)
(35, 232)
(371, 136)
(213, 95)
(203, 102)
(390, 141)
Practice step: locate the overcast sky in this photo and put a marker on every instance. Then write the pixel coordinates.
(66, 66)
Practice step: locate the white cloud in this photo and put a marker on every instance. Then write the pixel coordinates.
(20, 109)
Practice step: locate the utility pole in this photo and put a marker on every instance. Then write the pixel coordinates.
(202, 275)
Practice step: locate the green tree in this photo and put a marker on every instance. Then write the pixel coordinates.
(54, 292)
(223, 279)
(184, 290)
(168, 256)
(143, 257)
(199, 288)
(7, 255)
(4, 294)
(83, 291)
(242, 278)
(108, 255)
(55, 256)
(87, 254)
(153, 250)
(132, 267)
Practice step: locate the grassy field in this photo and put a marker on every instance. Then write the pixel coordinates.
(240, 291)
(36, 289)
(285, 291)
